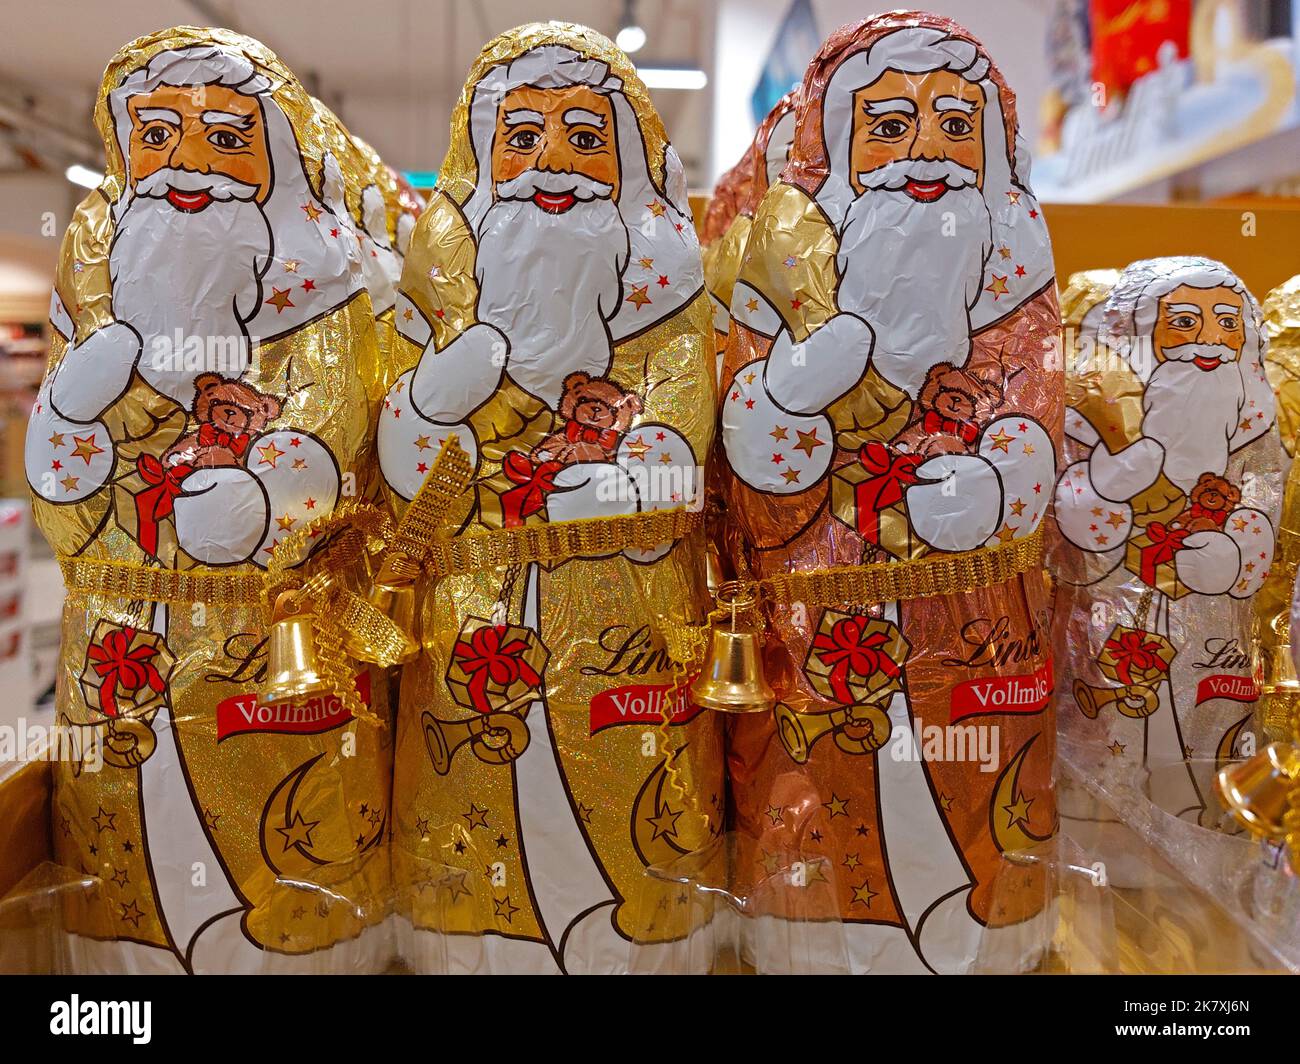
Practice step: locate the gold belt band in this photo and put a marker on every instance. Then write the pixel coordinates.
(150, 583)
(473, 552)
(947, 574)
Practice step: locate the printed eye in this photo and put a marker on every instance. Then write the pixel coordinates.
(225, 140)
(585, 140)
(1228, 321)
(155, 136)
(1184, 321)
(891, 128)
(524, 140)
(956, 125)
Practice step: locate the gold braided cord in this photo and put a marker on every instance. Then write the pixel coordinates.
(474, 552)
(445, 482)
(150, 583)
(945, 574)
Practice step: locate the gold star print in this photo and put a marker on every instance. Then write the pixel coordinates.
(298, 833)
(816, 870)
(70, 482)
(838, 806)
(1004, 251)
(808, 442)
(646, 263)
(770, 862)
(997, 287)
(1245, 425)
(850, 861)
(665, 458)
(210, 818)
(313, 212)
(778, 433)
(132, 914)
(1097, 511)
(407, 315)
(1001, 441)
(1117, 748)
(286, 522)
(1239, 524)
(300, 463)
(103, 821)
(86, 449)
(774, 814)
(1115, 520)
(790, 476)
(750, 377)
(290, 265)
(120, 877)
(1018, 811)
(422, 442)
(1014, 197)
(1006, 532)
(280, 299)
(457, 884)
(863, 894)
(270, 452)
(503, 910)
(1018, 507)
(637, 448)
(946, 802)
(665, 824)
(56, 440)
(476, 816)
(751, 304)
(657, 209)
(1028, 448)
(638, 297)
(584, 813)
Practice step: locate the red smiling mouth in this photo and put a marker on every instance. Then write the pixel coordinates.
(554, 202)
(189, 202)
(925, 191)
(1202, 362)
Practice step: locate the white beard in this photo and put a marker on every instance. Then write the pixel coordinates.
(550, 283)
(912, 282)
(196, 275)
(1193, 413)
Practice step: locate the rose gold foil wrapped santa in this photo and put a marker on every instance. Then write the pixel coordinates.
(891, 414)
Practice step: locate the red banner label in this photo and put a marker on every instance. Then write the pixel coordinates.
(1226, 685)
(1024, 693)
(242, 714)
(641, 704)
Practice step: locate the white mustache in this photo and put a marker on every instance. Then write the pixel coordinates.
(553, 183)
(217, 185)
(1188, 352)
(894, 175)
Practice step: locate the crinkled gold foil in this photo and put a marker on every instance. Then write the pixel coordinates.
(223, 835)
(528, 805)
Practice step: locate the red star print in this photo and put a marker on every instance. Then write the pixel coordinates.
(735, 396)
(422, 468)
(749, 404)
(1033, 214)
(795, 304)
(1038, 489)
(1020, 271)
(439, 314)
(660, 436)
(1024, 427)
(309, 285)
(663, 280)
(777, 459)
(334, 232)
(56, 465)
(311, 504)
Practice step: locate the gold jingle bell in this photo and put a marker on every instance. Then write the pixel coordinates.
(732, 679)
(1257, 792)
(292, 671)
(396, 601)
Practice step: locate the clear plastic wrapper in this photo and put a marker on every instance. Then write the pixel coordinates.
(1167, 510)
(891, 414)
(552, 319)
(196, 449)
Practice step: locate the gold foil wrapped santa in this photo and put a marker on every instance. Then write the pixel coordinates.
(554, 339)
(1167, 510)
(891, 410)
(202, 432)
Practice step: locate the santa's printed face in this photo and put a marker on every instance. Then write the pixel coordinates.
(209, 132)
(567, 131)
(934, 117)
(1203, 326)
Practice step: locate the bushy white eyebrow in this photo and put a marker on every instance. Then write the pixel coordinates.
(1182, 308)
(226, 118)
(580, 116)
(1226, 308)
(955, 103)
(522, 116)
(158, 114)
(884, 107)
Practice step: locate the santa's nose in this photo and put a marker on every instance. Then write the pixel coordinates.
(189, 155)
(554, 158)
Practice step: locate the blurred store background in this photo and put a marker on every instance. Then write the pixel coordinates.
(1125, 101)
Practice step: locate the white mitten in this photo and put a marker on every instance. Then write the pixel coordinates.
(958, 503)
(1122, 475)
(1208, 563)
(591, 489)
(95, 373)
(221, 515)
(806, 378)
(409, 444)
(448, 385)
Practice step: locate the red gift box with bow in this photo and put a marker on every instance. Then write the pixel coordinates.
(868, 495)
(1153, 556)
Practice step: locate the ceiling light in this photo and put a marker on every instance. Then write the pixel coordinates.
(673, 77)
(83, 176)
(630, 34)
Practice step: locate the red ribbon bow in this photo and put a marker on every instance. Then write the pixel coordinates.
(533, 483)
(1165, 543)
(1131, 651)
(156, 501)
(211, 436)
(935, 424)
(487, 658)
(890, 474)
(577, 432)
(1217, 516)
(123, 668)
(847, 650)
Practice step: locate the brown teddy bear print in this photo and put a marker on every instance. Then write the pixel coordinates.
(953, 405)
(596, 413)
(1212, 499)
(229, 414)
